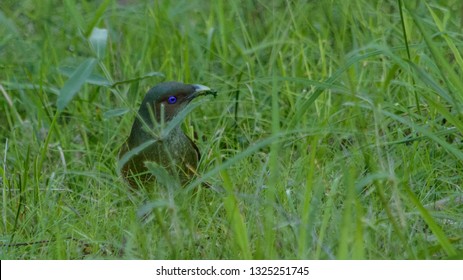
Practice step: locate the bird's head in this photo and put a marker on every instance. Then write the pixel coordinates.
(161, 104)
(165, 100)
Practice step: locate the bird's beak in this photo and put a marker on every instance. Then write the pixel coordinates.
(202, 90)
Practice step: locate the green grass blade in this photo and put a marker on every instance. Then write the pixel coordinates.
(75, 82)
(235, 218)
(98, 40)
(436, 229)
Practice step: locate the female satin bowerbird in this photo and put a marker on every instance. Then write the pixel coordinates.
(157, 136)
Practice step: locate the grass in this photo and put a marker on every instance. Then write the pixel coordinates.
(336, 133)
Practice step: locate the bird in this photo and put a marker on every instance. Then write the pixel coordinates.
(157, 138)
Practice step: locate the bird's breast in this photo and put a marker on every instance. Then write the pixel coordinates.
(175, 152)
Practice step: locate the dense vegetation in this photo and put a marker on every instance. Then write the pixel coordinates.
(336, 133)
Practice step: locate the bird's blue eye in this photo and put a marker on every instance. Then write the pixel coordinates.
(172, 99)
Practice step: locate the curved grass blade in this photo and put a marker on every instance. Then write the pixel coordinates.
(75, 82)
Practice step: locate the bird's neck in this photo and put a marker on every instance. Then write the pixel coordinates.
(147, 130)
